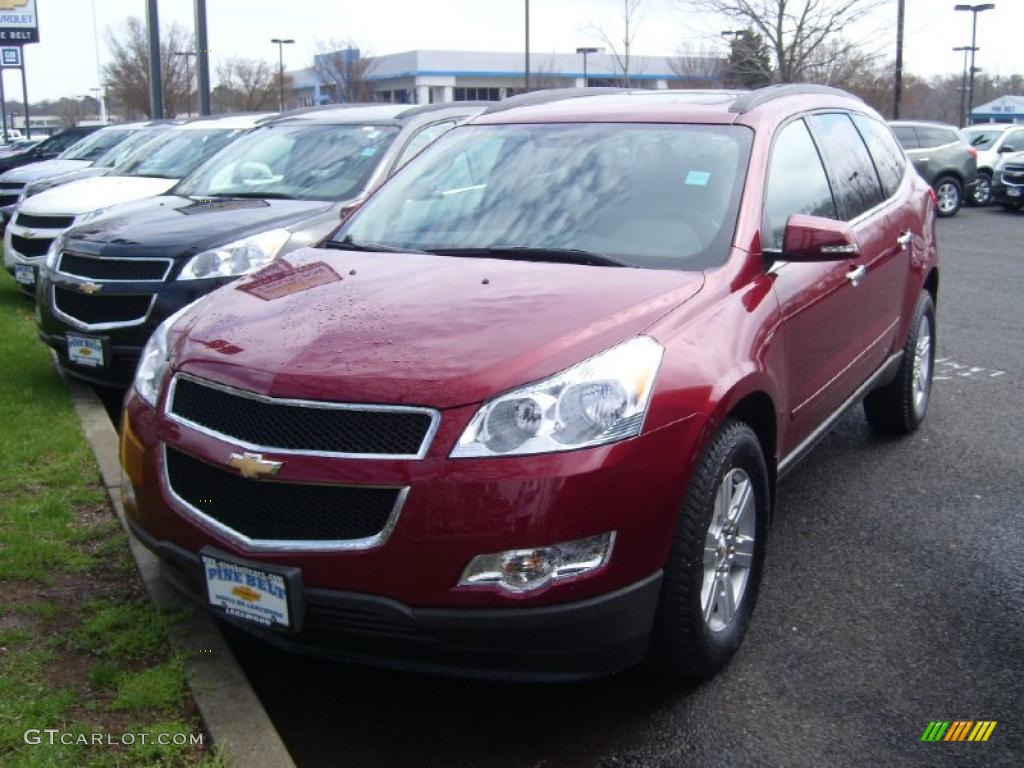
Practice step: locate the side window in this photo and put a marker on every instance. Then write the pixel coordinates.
(853, 174)
(1014, 139)
(885, 151)
(421, 140)
(907, 136)
(796, 183)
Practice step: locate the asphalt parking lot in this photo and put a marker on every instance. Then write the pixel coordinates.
(893, 596)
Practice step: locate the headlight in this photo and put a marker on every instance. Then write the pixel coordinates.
(601, 400)
(238, 258)
(149, 376)
(52, 253)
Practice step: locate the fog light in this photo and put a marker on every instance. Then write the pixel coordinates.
(522, 570)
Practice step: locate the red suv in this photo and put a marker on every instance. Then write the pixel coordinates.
(524, 414)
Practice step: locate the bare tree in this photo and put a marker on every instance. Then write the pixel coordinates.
(126, 77)
(794, 31)
(622, 48)
(247, 85)
(345, 69)
(700, 67)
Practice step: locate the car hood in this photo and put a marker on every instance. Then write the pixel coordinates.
(42, 169)
(186, 226)
(414, 329)
(85, 195)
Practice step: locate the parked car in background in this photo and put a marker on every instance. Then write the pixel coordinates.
(523, 415)
(168, 158)
(991, 141)
(18, 145)
(79, 155)
(123, 154)
(284, 185)
(943, 159)
(44, 150)
(1008, 182)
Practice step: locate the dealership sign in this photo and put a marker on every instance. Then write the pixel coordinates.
(10, 57)
(19, 23)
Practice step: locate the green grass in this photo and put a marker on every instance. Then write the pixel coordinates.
(81, 648)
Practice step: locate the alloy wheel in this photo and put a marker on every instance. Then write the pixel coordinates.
(983, 190)
(923, 366)
(728, 550)
(949, 197)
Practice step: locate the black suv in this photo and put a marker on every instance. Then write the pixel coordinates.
(288, 183)
(44, 150)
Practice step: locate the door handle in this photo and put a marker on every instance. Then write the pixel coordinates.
(905, 240)
(856, 274)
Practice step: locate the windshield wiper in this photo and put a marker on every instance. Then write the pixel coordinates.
(255, 195)
(537, 253)
(348, 244)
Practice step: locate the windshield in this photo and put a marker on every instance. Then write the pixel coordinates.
(982, 138)
(174, 154)
(304, 162)
(125, 150)
(96, 144)
(646, 195)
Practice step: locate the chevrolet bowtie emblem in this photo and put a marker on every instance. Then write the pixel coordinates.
(90, 288)
(253, 465)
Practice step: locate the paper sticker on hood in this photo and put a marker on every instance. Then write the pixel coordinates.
(282, 279)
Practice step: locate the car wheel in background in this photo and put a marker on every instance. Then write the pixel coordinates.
(982, 193)
(900, 406)
(950, 195)
(714, 567)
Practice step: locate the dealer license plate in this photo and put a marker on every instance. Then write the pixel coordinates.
(246, 592)
(1013, 191)
(25, 274)
(85, 350)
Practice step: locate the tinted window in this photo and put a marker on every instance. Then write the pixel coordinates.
(934, 136)
(887, 155)
(60, 142)
(796, 182)
(907, 136)
(657, 196)
(174, 154)
(853, 175)
(96, 144)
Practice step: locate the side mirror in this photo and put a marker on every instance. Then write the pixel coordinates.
(812, 238)
(1007, 148)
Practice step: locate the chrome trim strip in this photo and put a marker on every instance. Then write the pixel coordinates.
(284, 545)
(60, 261)
(887, 369)
(83, 326)
(428, 438)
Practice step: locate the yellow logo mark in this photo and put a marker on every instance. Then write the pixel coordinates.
(246, 593)
(253, 465)
(90, 288)
(10, 5)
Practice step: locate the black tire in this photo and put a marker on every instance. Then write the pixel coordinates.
(683, 644)
(1014, 207)
(894, 409)
(981, 195)
(949, 188)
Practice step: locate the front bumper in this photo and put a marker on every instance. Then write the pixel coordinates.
(589, 638)
(1007, 192)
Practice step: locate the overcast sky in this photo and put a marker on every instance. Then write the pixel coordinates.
(64, 63)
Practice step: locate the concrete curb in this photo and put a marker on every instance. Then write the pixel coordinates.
(232, 712)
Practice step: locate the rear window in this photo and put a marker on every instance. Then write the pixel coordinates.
(981, 138)
(649, 195)
(934, 136)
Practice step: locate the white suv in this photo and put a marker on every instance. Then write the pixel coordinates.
(991, 140)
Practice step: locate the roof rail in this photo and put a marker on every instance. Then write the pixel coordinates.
(552, 94)
(440, 106)
(771, 92)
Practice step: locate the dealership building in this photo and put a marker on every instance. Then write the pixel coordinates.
(430, 77)
(1005, 109)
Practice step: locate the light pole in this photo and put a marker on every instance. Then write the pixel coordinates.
(526, 63)
(963, 84)
(281, 43)
(975, 10)
(188, 73)
(102, 99)
(586, 52)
